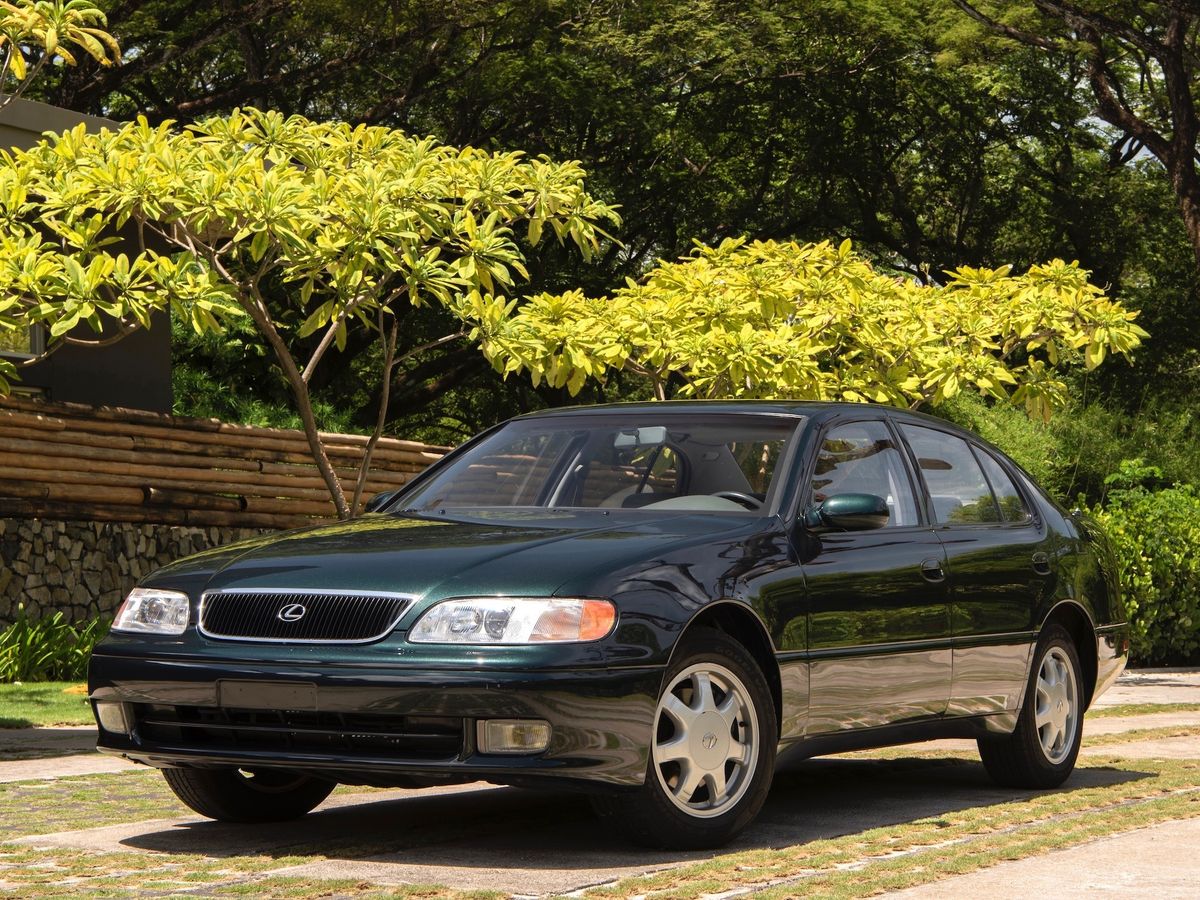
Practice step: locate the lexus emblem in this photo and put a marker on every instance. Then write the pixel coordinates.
(293, 612)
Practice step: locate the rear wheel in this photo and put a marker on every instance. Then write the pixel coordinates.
(1041, 752)
(237, 795)
(712, 755)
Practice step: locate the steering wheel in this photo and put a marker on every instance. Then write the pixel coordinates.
(746, 500)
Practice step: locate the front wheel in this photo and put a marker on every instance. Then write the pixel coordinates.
(712, 754)
(235, 795)
(1041, 752)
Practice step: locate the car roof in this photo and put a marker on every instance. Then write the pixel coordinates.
(818, 410)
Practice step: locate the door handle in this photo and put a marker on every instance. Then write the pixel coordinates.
(932, 571)
(1041, 563)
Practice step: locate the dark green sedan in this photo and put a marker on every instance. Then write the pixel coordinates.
(655, 603)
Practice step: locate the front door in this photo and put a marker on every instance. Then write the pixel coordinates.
(878, 605)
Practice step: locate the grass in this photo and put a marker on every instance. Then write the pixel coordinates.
(43, 703)
(1137, 735)
(46, 806)
(927, 865)
(1141, 709)
(1110, 795)
(86, 801)
(1107, 797)
(924, 850)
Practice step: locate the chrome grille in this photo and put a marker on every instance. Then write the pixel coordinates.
(311, 617)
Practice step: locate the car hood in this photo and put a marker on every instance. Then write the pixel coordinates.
(509, 553)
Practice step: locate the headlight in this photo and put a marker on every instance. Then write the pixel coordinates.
(514, 620)
(151, 611)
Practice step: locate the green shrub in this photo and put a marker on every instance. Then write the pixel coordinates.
(1074, 453)
(47, 649)
(1156, 535)
(1030, 442)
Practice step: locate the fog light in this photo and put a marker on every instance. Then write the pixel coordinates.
(513, 735)
(114, 717)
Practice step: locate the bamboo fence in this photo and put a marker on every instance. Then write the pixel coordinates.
(72, 461)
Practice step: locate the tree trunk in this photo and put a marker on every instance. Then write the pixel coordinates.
(1187, 190)
(257, 310)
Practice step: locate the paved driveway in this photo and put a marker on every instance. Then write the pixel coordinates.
(529, 843)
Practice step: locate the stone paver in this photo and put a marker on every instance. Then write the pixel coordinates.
(63, 767)
(62, 751)
(64, 739)
(532, 843)
(1096, 725)
(1153, 686)
(1159, 748)
(1156, 863)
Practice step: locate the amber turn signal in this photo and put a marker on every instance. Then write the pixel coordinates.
(582, 620)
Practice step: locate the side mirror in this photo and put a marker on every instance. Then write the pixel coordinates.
(380, 500)
(847, 512)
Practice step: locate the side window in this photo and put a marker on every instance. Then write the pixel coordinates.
(862, 458)
(1012, 507)
(960, 493)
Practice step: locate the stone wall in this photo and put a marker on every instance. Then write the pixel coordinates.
(85, 569)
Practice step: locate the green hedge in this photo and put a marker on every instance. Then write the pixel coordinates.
(1081, 447)
(48, 649)
(1156, 535)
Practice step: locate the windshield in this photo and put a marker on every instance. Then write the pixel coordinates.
(715, 463)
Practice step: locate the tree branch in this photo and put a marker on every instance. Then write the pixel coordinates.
(331, 333)
(1080, 19)
(389, 361)
(256, 306)
(1025, 37)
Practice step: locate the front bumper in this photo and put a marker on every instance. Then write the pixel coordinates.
(356, 723)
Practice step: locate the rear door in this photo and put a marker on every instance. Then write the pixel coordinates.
(998, 566)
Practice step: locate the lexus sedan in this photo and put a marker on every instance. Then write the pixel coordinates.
(655, 603)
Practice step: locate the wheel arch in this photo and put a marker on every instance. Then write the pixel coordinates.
(1078, 623)
(739, 622)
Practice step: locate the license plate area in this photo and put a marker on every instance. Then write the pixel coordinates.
(266, 695)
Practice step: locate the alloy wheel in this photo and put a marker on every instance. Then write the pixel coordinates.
(1056, 708)
(706, 740)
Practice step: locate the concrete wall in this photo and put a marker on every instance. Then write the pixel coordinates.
(85, 569)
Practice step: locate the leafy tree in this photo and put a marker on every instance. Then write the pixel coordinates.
(1141, 65)
(345, 224)
(36, 32)
(894, 123)
(765, 319)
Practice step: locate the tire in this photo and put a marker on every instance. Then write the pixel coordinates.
(234, 795)
(699, 790)
(1041, 752)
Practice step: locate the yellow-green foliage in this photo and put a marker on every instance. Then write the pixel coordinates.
(1155, 535)
(302, 227)
(349, 219)
(51, 26)
(817, 321)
